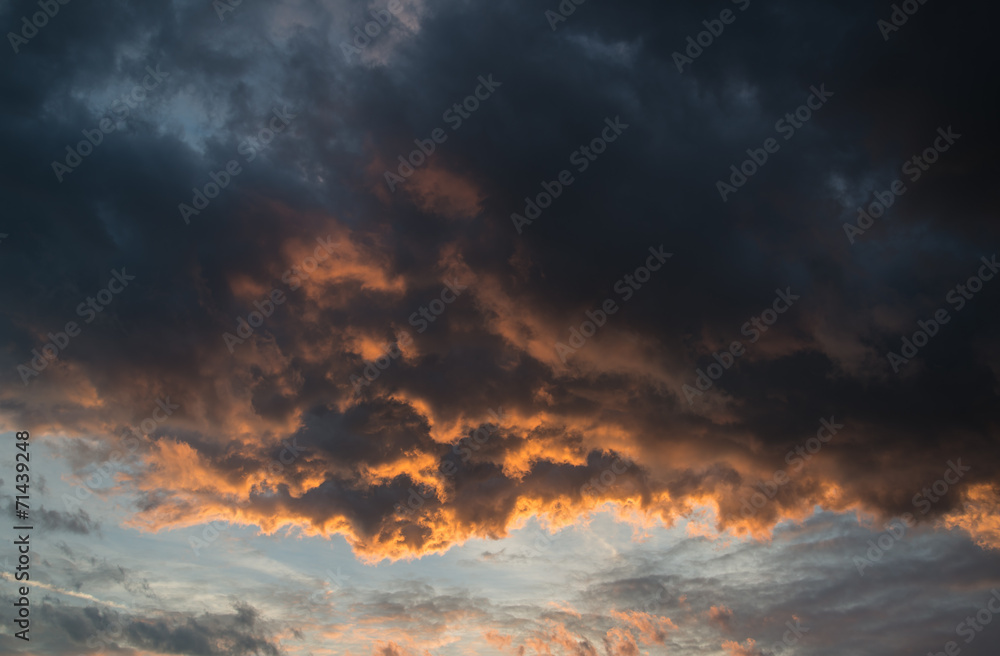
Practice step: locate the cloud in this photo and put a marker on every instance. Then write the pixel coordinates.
(209, 634)
(620, 395)
(619, 642)
(277, 434)
(979, 516)
(77, 521)
(748, 648)
(652, 629)
(720, 615)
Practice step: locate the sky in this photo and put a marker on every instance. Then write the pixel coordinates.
(441, 328)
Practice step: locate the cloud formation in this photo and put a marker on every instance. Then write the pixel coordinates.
(327, 387)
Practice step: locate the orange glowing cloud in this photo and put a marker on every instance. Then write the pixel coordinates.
(979, 516)
(436, 190)
(748, 648)
(721, 615)
(652, 628)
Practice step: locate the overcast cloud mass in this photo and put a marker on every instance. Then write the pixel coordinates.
(432, 327)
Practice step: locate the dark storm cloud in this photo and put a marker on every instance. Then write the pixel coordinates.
(494, 346)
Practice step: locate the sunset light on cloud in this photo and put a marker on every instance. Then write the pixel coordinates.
(436, 328)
